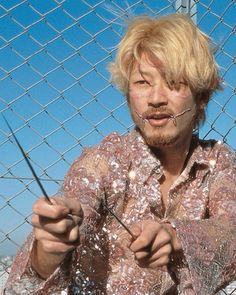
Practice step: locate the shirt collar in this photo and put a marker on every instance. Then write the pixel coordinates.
(147, 163)
(143, 160)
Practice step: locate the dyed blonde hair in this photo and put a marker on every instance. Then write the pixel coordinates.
(184, 51)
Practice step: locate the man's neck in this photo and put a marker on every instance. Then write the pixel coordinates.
(174, 158)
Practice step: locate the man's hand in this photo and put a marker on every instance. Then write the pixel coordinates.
(56, 230)
(154, 244)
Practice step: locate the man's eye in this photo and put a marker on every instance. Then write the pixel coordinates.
(141, 82)
(176, 86)
(171, 84)
(181, 86)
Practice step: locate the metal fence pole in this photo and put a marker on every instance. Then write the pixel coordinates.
(187, 7)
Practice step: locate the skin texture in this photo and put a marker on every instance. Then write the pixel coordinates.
(149, 94)
(56, 229)
(154, 244)
(58, 234)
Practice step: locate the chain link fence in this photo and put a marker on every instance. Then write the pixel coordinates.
(56, 93)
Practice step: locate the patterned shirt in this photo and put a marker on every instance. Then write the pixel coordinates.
(123, 171)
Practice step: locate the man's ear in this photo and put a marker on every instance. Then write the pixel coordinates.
(203, 99)
(202, 105)
(200, 101)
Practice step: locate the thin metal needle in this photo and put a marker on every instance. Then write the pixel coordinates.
(118, 219)
(29, 164)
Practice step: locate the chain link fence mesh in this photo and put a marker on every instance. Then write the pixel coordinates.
(56, 93)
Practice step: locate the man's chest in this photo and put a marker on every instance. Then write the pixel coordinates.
(182, 198)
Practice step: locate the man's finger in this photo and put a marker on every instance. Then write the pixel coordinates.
(70, 236)
(55, 225)
(56, 247)
(61, 207)
(150, 256)
(72, 204)
(162, 238)
(146, 237)
(55, 211)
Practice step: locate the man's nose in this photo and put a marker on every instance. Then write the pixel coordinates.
(158, 95)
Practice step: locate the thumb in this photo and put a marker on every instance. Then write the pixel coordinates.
(136, 229)
(73, 205)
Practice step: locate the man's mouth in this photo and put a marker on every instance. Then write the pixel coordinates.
(158, 119)
(158, 116)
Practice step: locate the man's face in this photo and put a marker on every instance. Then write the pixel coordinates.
(164, 113)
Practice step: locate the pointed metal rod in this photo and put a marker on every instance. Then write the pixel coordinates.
(118, 219)
(29, 164)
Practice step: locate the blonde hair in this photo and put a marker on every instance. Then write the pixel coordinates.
(181, 47)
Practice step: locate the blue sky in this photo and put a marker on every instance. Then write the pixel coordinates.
(55, 90)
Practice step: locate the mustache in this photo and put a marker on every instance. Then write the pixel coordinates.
(160, 113)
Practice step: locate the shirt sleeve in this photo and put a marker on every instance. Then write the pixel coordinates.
(83, 182)
(209, 244)
(24, 280)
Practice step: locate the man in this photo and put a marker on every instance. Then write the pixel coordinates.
(174, 192)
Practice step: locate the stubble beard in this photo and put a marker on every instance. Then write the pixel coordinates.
(162, 136)
(158, 138)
